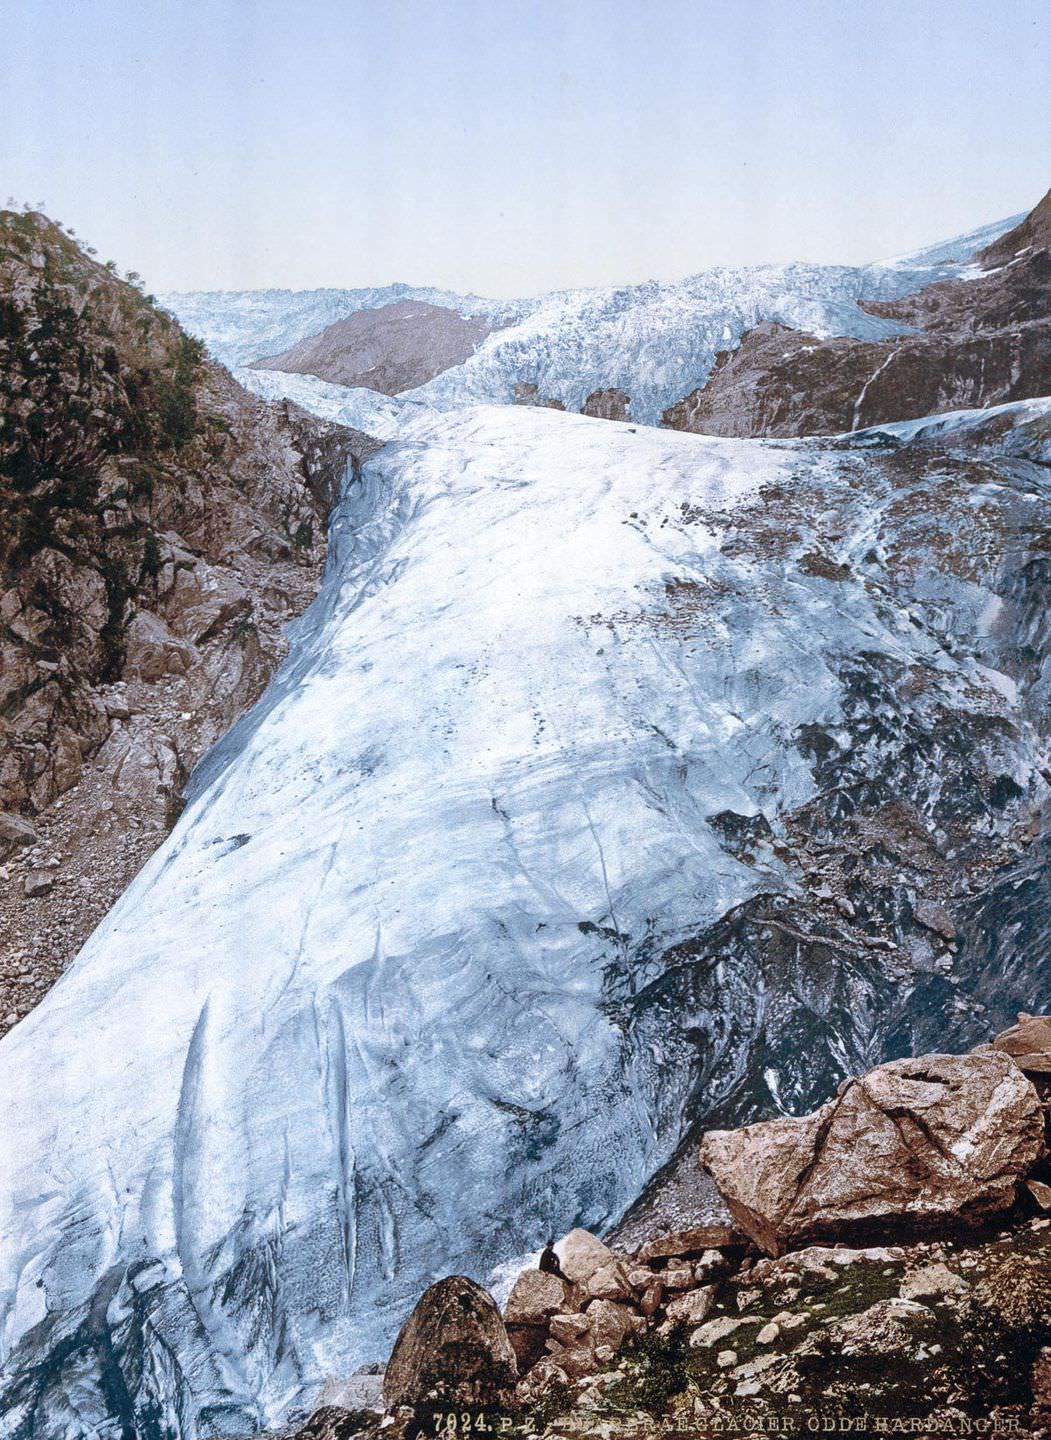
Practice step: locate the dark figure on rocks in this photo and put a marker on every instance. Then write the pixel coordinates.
(549, 1261)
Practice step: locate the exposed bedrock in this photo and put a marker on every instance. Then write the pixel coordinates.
(970, 342)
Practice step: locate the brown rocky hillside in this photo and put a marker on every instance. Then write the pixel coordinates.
(971, 342)
(389, 349)
(159, 527)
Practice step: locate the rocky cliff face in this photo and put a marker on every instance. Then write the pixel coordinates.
(159, 529)
(977, 341)
(390, 349)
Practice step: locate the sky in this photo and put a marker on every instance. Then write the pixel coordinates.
(507, 147)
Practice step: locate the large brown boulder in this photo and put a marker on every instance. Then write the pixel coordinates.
(907, 1146)
(453, 1350)
(536, 1297)
(580, 1254)
(696, 1241)
(1028, 1043)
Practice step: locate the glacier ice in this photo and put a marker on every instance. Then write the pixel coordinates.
(656, 341)
(364, 1019)
(361, 409)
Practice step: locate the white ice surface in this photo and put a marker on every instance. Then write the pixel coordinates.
(368, 410)
(344, 1033)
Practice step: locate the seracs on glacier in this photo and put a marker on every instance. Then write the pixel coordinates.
(656, 341)
(379, 1010)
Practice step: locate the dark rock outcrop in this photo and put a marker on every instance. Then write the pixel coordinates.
(911, 1145)
(390, 349)
(526, 393)
(452, 1352)
(610, 404)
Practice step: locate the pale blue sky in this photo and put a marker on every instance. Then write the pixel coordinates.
(510, 146)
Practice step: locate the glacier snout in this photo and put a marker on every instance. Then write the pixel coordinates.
(406, 988)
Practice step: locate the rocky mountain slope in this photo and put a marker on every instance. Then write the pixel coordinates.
(391, 348)
(976, 341)
(159, 528)
(653, 342)
(731, 781)
(241, 327)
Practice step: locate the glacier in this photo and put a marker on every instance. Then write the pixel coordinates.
(454, 943)
(657, 341)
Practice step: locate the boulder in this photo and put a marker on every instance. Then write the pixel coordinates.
(694, 1307)
(610, 1283)
(453, 1350)
(37, 883)
(580, 1254)
(569, 1329)
(931, 1282)
(1040, 1192)
(610, 1324)
(651, 1298)
(678, 1277)
(535, 1298)
(935, 917)
(911, 1144)
(1028, 1043)
(712, 1331)
(575, 1361)
(711, 1266)
(15, 831)
(691, 1242)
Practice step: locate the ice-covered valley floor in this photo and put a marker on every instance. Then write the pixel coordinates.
(397, 998)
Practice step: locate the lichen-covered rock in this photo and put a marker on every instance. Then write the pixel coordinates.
(941, 1138)
(931, 1282)
(453, 1349)
(694, 1307)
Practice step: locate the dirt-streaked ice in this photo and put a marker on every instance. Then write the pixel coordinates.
(348, 1031)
